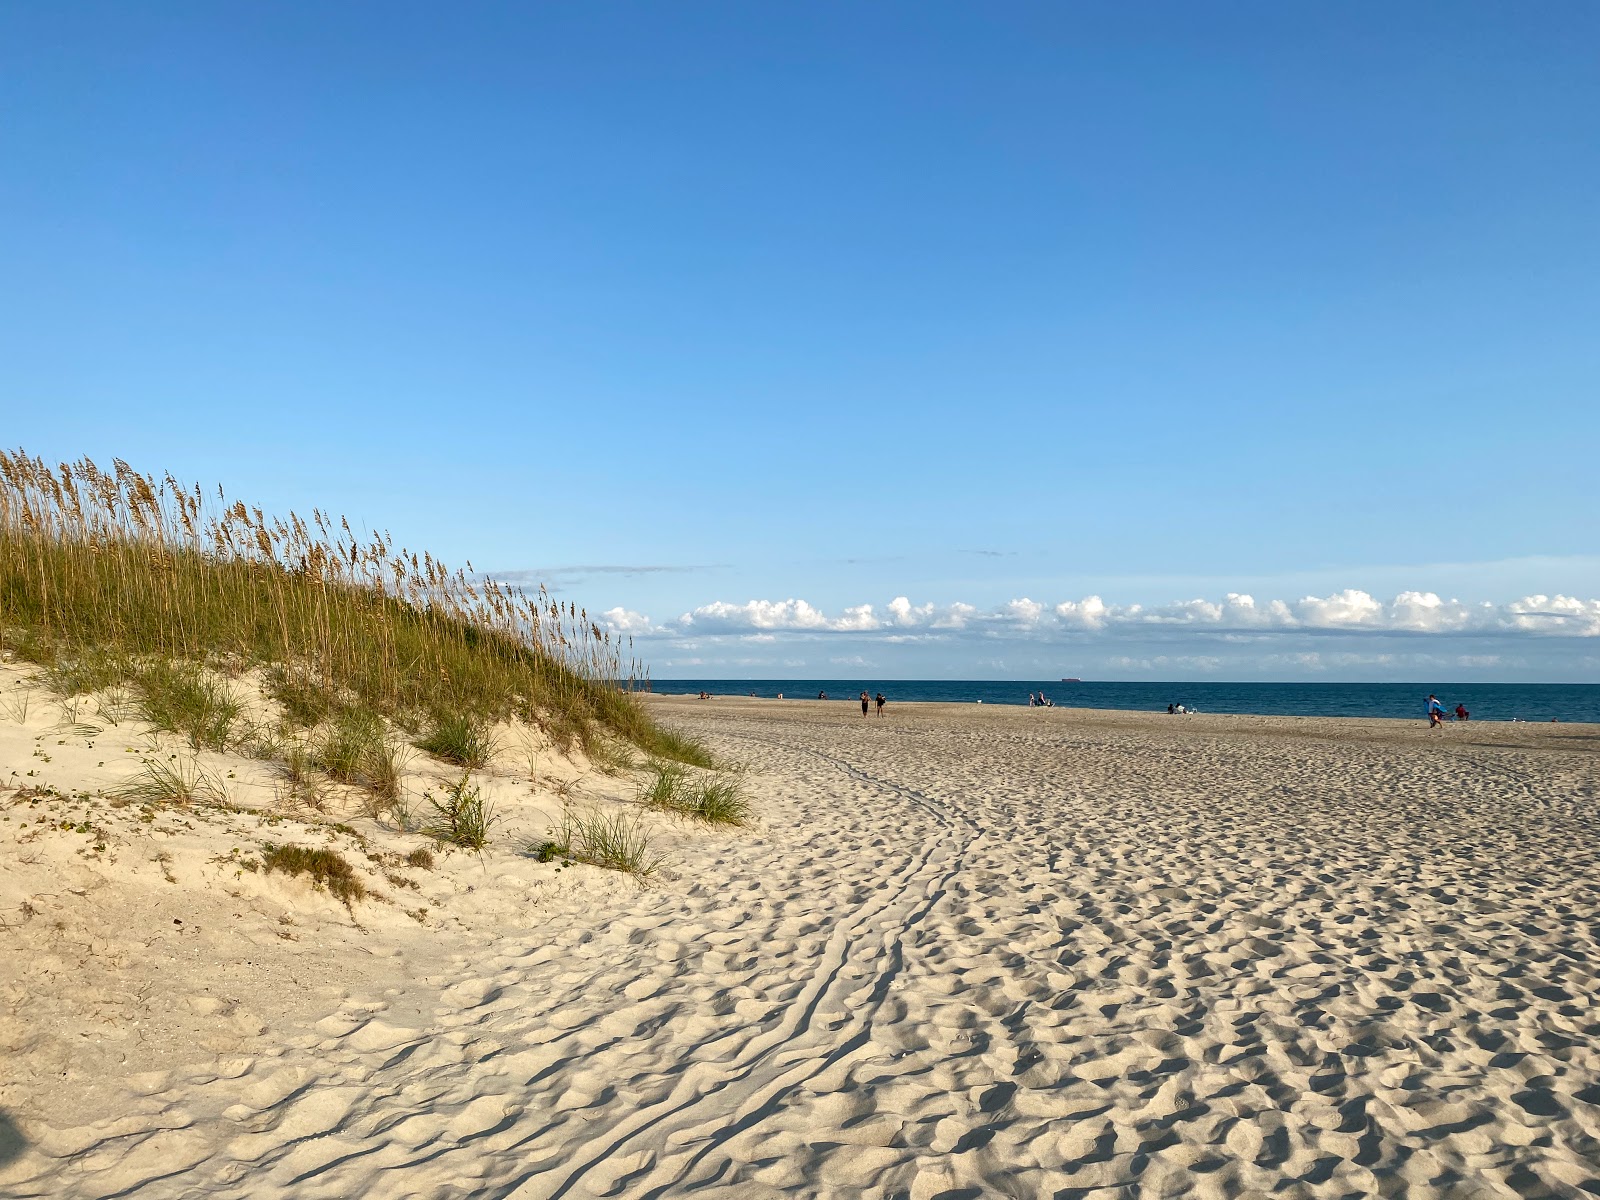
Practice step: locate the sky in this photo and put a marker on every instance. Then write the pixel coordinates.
(1167, 341)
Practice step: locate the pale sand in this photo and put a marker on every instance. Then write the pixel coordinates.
(970, 952)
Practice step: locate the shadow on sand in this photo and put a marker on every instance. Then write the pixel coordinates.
(12, 1143)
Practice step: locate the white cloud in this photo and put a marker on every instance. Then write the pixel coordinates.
(1235, 616)
(626, 621)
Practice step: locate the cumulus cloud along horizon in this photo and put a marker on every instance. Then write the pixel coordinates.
(1350, 611)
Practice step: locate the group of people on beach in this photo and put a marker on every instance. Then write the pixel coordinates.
(866, 702)
(1436, 711)
(1178, 710)
(1040, 701)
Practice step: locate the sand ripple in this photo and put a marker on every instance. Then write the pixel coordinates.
(1014, 957)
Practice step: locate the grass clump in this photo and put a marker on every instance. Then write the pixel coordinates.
(673, 747)
(172, 780)
(87, 671)
(460, 740)
(719, 802)
(355, 748)
(297, 765)
(421, 858)
(618, 842)
(183, 698)
(714, 801)
(305, 702)
(462, 817)
(328, 869)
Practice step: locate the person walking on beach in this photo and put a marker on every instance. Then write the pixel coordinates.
(881, 703)
(866, 702)
(1435, 711)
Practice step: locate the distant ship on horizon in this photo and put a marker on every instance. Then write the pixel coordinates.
(1074, 679)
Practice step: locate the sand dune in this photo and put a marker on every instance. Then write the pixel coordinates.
(966, 954)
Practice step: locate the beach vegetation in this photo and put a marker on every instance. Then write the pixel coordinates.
(329, 870)
(719, 802)
(618, 841)
(462, 816)
(304, 703)
(113, 577)
(460, 739)
(421, 858)
(668, 787)
(184, 698)
(354, 747)
(171, 780)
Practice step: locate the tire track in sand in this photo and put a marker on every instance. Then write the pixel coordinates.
(752, 1088)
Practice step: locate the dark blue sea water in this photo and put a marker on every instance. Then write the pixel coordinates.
(1485, 701)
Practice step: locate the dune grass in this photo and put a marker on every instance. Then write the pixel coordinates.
(619, 842)
(183, 698)
(172, 780)
(113, 577)
(461, 740)
(715, 801)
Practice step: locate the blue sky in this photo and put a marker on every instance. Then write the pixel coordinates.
(696, 311)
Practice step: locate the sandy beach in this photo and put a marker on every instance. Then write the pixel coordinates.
(965, 952)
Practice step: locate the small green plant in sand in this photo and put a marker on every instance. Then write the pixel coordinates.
(670, 788)
(665, 786)
(462, 817)
(719, 802)
(460, 740)
(297, 766)
(421, 858)
(328, 870)
(172, 780)
(183, 698)
(618, 841)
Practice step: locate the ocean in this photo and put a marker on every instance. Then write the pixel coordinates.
(1485, 701)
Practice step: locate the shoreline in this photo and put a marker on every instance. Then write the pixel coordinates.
(1528, 733)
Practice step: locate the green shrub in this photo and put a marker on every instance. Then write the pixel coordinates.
(462, 818)
(328, 870)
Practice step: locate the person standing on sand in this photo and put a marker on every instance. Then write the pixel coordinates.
(881, 703)
(865, 703)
